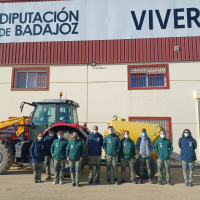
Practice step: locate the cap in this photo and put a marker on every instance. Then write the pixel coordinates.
(144, 130)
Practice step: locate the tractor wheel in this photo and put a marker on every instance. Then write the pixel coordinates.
(6, 157)
(145, 174)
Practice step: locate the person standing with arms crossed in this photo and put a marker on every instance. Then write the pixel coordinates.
(58, 151)
(48, 141)
(163, 148)
(111, 145)
(188, 145)
(75, 152)
(94, 143)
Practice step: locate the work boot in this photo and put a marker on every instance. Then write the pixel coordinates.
(91, 181)
(186, 184)
(190, 184)
(39, 181)
(73, 184)
(140, 181)
(169, 182)
(133, 181)
(35, 182)
(159, 182)
(48, 178)
(122, 181)
(61, 182)
(108, 182)
(55, 182)
(77, 185)
(97, 181)
(116, 182)
(150, 181)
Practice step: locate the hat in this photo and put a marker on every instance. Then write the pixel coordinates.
(144, 130)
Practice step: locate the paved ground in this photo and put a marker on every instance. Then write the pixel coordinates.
(18, 184)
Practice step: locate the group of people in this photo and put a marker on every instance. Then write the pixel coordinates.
(57, 149)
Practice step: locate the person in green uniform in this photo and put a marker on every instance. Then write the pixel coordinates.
(127, 155)
(111, 145)
(163, 148)
(75, 152)
(58, 151)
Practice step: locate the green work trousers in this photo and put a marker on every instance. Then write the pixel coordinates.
(161, 164)
(97, 161)
(59, 167)
(37, 171)
(148, 165)
(47, 163)
(111, 161)
(188, 170)
(131, 168)
(75, 170)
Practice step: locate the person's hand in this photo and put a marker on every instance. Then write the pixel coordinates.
(81, 158)
(68, 159)
(52, 155)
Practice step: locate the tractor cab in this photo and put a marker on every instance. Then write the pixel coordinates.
(47, 112)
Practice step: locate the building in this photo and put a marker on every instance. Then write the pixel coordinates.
(148, 79)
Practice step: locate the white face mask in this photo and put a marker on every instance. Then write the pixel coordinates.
(126, 136)
(94, 131)
(162, 136)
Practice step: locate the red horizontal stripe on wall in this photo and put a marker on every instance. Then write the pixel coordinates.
(105, 51)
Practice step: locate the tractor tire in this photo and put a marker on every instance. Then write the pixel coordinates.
(145, 174)
(6, 157)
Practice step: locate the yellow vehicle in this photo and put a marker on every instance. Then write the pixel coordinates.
(134, 128)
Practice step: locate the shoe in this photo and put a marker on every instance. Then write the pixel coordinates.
(77, 185)
(122, 181)
(186, 184)
(48, 178)
(190, 184)
(150, 181)
(35, 182)
(61, 182)
(39, 181)
(97, 181)
(140, 181)
(116, 182)
(91, 181)
(73, 184)
(55, 182)
(169, 183)
(133, 181)
(108, 182)
(159, 182)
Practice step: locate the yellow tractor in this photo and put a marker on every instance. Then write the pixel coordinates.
(134, 128)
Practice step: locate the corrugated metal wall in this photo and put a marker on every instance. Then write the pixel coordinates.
(105, 51)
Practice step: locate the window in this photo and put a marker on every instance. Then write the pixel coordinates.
(165, 122)
(30, 78)
(148, 77)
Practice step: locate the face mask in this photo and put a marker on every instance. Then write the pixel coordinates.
(52, 135)
(60, 137)
(39, 138)
(186, 134)
(94, 131)
(143, 134)
(126, 136)
(111, 131)
(162, 136)
(75, 137)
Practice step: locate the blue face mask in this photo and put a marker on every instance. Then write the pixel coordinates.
(52, 135)
(111, 131)
(186, 134)
(60, 137)
(143, 134)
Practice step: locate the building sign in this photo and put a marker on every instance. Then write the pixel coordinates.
(81, 20)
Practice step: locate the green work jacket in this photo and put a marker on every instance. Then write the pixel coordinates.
(127, 149)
